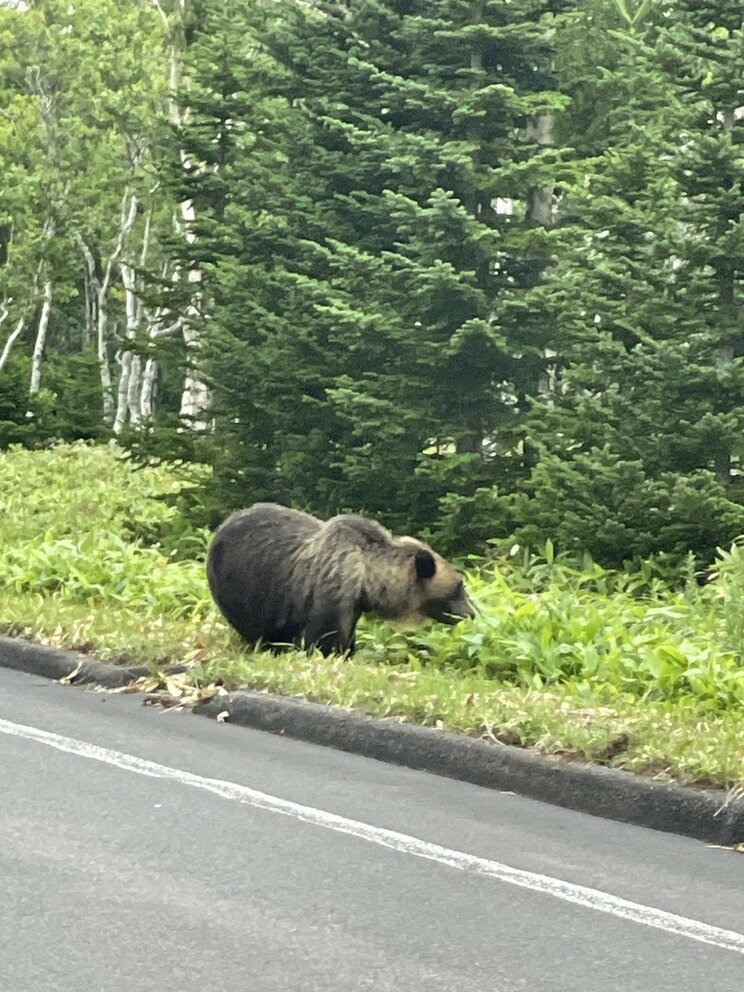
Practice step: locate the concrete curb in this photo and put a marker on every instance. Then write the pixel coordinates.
(56, 663)
(704, 814)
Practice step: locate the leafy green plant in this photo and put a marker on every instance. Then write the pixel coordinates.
(544, 622)
(76, 489)
(727, 592)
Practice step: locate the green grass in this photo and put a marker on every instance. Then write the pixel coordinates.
(577, 662)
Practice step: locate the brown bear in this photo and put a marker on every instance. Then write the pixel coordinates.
(286, 578)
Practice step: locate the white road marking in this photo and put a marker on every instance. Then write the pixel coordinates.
(580, 895)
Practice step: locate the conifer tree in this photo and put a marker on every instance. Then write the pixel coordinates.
(379, 219)
(640, 440)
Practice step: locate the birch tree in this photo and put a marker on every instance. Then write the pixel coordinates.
(41, 333)
(101, 287)
(24, 220)
(12, 335)
(95, 75)
(138, 376)
(195, 397)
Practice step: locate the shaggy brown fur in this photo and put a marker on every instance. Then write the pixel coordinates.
(286, 578)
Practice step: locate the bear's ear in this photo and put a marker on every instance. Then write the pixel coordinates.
(425, 565)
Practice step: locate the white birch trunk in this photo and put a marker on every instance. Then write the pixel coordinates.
(131, 390)
(149, 378)
(137, 378)
(91, 295)
(126, 358)
(41, 333)
(101, 287)
(12, 338)
(26, 308)
(134, 393)
(103, 357)
(125, 362)
(90, 318)
(195, 397)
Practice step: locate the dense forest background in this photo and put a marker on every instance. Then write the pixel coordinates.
(473, 267)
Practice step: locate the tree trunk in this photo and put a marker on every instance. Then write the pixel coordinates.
(12, 338)
(149, 380)
(134, 393)
(103, 358)
(195, 397)
(41, 333)
(125, 361)
(469, 444)
(91, 296)
(136, 390)
(540, 130)
(89, 322)
(471, 441)
(726, 274)
(101, 287)
(473, 202)
(137, 381)
(130, 363)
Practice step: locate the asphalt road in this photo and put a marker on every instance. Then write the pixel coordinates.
(146, 850)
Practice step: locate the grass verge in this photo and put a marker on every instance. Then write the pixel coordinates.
(671, 740)
(573, 662)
